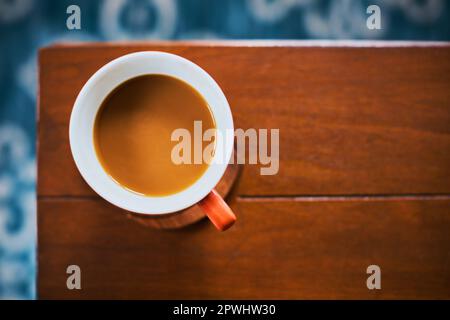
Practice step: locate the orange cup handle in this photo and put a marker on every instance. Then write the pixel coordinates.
(217, 211)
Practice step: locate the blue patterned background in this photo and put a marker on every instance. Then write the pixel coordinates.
(26, 25)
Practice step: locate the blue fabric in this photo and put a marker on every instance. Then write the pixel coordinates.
(26, 25)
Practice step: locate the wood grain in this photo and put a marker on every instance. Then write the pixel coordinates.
(277, 250)
(353, 120)
(364, 179)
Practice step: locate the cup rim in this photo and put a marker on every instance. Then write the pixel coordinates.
(86, 106)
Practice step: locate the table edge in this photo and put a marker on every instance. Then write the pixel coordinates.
(257, 43)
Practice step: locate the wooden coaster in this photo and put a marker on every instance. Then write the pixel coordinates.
(192, 214)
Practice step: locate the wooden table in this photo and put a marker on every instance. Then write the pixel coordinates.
(364, 179)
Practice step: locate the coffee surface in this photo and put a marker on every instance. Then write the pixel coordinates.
(133, 128)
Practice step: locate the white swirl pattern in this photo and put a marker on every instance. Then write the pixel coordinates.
(138, 16)
(17, 211)
(13, 10)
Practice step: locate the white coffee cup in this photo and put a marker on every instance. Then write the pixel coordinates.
(91, 96)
